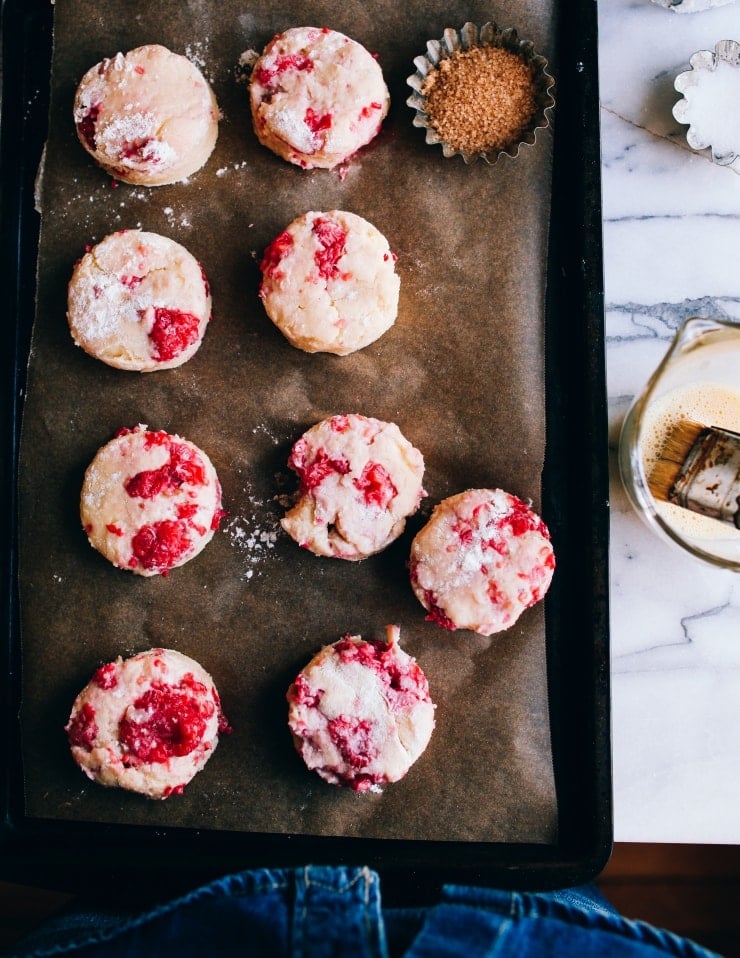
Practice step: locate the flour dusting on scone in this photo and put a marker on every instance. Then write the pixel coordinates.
(359, 480)
(360, 712)
(150, 501)
(483, 557)
(147, 724)
(329, 282)
(138, 301)
(316, 97)
(148, 117)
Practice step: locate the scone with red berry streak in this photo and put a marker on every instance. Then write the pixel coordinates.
(138, 301)
(359, 480)
(150, 501)
(316, 97)
(483, 557)
(147, 724)
(148, 117)
(329, 283)
(360, 712)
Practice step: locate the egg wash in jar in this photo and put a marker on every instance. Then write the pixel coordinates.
(710, 404)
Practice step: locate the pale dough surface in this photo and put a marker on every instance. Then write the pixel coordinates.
(316, 96)
(329, 282)
(150, 501)
(148, 117)
(147, 724)
(138, 301)
(360, 478)
(483, 557)
(361, 713)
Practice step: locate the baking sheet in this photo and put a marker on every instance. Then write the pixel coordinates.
(461, 372)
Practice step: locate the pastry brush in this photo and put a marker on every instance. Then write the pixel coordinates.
(698, 468)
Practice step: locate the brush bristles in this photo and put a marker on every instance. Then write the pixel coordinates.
(673, 454)
(662, 478)
(680, 441)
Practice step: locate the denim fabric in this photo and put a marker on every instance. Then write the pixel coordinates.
(477, 922)
(309, 912)
(325, 912)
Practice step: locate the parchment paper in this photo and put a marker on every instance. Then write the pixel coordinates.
(461, 373)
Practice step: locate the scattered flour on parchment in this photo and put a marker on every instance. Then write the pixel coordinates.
(254, 531)
(263, 429)
(175, 218)
(223, 170)
(253, 535)
(197, 53)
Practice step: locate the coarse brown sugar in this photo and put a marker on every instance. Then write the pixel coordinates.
(480, 99)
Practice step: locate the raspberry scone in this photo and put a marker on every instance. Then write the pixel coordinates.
(329, 283)
(360, 712)
(147, 724)
(359, 480)
(316, 97)
(150, 501)
(138, 301)
(147, 117)
(482, 558)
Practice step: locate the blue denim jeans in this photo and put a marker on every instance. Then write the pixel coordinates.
(331, 912)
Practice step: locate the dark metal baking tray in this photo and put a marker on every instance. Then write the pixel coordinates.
(575, 500)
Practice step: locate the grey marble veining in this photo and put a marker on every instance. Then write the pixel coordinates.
(672, 250)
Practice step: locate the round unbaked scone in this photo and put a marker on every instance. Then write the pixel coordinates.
(360, 478)
(360, 712)
(316, 97)
(148, 117)
(138, 301)
(150, 501)
(329, 283)
(147, 724)
(482, 558)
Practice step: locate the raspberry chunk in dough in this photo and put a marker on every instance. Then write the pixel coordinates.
(360, 712)
(316, 97)
(147, 724)
(148, 117)
(329, 283)
(483, 557)
(138, 301)
(150, 501)
(360, 478)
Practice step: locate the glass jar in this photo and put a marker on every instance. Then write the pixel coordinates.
(697, 382)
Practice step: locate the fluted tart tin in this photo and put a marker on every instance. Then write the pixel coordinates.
(709, 103)
(480, 92)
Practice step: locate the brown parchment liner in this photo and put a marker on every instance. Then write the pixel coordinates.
(461, 373)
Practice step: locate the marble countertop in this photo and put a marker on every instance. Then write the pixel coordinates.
(671, 241)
